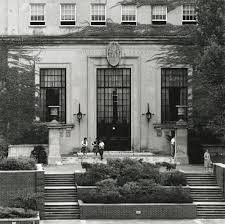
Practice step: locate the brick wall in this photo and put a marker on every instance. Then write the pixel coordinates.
(137, 211)
(18, 183)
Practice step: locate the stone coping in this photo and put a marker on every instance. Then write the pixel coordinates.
(37, 218)
(80, 202)
(219, 164)
(21, 171)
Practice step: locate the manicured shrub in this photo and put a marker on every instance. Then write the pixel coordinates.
(86, 165)
(18, 164)
(39, 154)
(29, 201)
(6, 213)
(173, 179)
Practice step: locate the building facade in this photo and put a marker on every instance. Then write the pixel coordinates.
(98, 73)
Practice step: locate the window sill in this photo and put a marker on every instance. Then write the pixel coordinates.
(67, 26)
(37, 26)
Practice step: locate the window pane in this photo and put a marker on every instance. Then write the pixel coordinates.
(159, 12)
(173, 92)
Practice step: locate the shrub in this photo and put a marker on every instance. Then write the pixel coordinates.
(17, 164)
(107, 192)
(39, 154)
(3, 151)
(173, 179)
(86, 165)
(29, 201)
(6, 213)
(96, 173)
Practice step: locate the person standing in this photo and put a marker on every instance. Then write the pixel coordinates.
(207, 161)
(96, 146)
(101, 148)
(84, 145)
(172, 146)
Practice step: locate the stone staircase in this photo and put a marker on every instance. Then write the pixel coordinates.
(61, 197)
(207, 195)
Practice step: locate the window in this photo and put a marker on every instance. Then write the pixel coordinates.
(129, 14)
(189, 14)
(68, 14)
(37, 14)
(173, 92)
(159, 14)
(98, 14)
(53, 93)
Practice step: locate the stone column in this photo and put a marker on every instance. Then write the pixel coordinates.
(181, 147)
(54, 142)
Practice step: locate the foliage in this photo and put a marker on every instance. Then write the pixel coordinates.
(206, 55)
(127, 170)
(17, 164)
(7, 213)
(39, 154)
(29, 201)
(142, 191)
(176, 178)
(3, 151)
(86, 165)
(169, 166)
(35, 133)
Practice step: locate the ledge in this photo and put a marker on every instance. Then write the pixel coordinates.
(59, 126)
(169, 126)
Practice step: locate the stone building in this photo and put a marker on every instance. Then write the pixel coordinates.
(98, 72)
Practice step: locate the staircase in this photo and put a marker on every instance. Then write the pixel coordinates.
(61, 197)
(207, 195)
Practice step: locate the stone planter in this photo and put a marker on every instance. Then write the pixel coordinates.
(35, 220)
(137, 211)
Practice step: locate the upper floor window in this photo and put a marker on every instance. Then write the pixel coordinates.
(98, 14)
(68, 14)
(189, 14)
(37, 16)
(159, 14)
(129, 14)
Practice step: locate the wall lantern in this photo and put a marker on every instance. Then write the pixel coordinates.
(148, 114)
(79, 114)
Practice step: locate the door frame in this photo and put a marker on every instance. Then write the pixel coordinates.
(133, 63)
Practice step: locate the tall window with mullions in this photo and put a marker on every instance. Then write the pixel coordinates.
(53, 93)
(174, 91)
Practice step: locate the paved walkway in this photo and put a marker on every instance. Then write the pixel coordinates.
(149, 221)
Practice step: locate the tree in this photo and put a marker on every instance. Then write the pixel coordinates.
(17, 92)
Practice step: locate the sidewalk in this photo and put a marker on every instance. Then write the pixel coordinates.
(132, 221)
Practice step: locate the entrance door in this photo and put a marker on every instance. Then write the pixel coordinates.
(114, 108)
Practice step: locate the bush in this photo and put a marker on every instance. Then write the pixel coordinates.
(18, 164)
(86, 165)
(29, 201)
(107, 192)
(39, 154)
(6, 213)
(3, 151)
(173, 179)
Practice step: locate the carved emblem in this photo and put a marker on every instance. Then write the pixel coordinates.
(113, 53)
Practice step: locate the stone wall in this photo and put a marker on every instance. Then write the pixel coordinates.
(18, 183)
(137, 211)
(22, 150)
(219, 171)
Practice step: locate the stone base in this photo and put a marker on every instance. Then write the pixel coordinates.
(54, 160)
(182, 160)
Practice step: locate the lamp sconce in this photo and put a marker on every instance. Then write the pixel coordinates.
(79, 114)
(148, 114)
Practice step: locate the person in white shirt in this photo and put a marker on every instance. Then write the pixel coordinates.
(172, 146)
(101, 148)
(207, 161)
(84, 145)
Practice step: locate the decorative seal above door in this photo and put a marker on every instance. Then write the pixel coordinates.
(113, 52)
